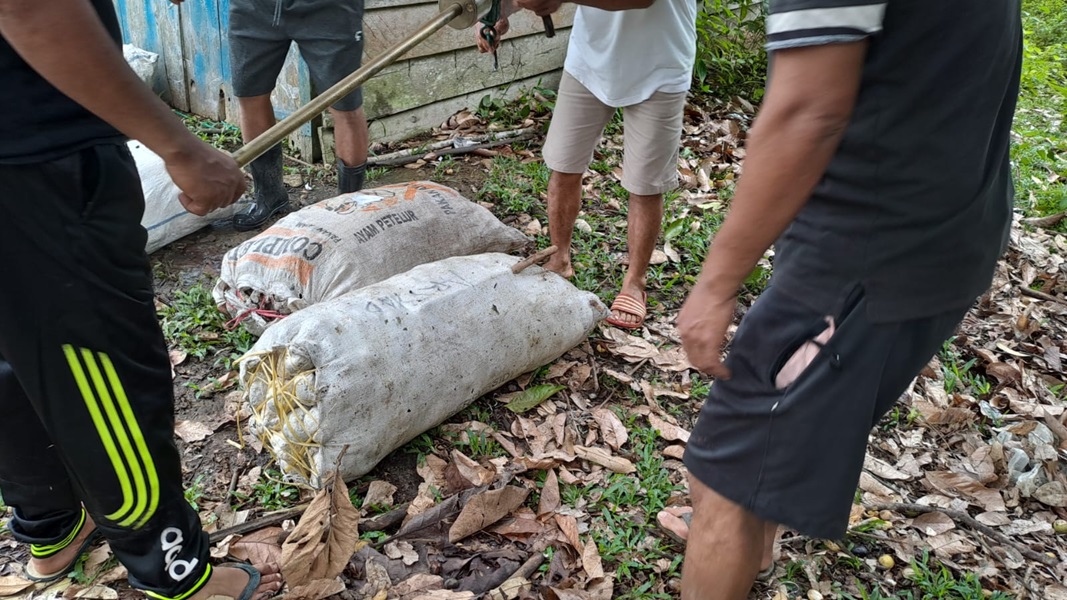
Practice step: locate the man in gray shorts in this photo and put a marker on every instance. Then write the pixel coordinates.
(329, 34)
(879, 161)
(631, 54)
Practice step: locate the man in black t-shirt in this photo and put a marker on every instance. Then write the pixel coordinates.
(86, 397)
(879, 162)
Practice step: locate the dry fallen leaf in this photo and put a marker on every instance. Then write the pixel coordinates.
(602, 457)
(569, 526)
(11, 585)
(1053, 494)
(668, 431)
(470, 470)
(550, 499)
(591, 562)
(325, 538)
(402, 551)
(933, 523)
(192, 431)
(674, 451)
(612, 429)
(259, 547)
(484, 509)
(445, 595)
(956, 484)
(379, 493)
(316, 590)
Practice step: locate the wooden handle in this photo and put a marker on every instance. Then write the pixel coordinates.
(550, 28)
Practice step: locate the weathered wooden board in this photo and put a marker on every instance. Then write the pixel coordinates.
(385, 27)
(154, 26)
(430, 79)
(204, 50)
(424, 118)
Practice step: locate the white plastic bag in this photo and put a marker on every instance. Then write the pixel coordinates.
(377, 367)
(164, 216)
(344, 243)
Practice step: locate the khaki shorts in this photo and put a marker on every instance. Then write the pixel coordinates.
(653, 132)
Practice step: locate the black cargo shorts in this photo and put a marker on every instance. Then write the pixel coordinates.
(329, 34)
(785, 437)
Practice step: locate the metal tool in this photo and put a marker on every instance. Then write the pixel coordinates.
(460, 14)
(550, 27)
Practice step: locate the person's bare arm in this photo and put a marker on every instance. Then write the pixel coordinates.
(67, 44)
(809, 103)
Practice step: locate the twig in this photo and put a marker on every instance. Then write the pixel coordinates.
(423, 150)
(1048, 221)
(1041, 295)
(404, 160)
(385, 520)
(525, 570)
(298, 161)
(537, 257)
(263, 522)
(234, 479)
(968, 520)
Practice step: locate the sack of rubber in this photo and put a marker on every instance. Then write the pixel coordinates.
(351, 241)
(164, 216)
(377, 367)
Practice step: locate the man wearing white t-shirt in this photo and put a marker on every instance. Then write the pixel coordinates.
(631, 54)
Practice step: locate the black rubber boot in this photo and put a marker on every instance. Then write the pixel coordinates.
(350, 179)
(270, 197)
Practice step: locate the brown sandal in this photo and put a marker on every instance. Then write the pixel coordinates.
(629, 305)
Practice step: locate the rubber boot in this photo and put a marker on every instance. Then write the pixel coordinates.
(350, 179)
(270, 196)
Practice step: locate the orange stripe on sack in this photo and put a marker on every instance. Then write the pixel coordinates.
(295, 265)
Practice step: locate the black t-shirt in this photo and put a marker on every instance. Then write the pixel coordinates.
(916, 204)
(39, 122)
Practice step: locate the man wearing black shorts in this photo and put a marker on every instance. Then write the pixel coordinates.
(879, 161)
(329, 34)
(86, 397)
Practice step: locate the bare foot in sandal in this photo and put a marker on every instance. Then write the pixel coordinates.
(560, 264)
(55, 566)
(235, 583)
(675, 521)
(628, 310)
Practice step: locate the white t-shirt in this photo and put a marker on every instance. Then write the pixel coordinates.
(625, 56)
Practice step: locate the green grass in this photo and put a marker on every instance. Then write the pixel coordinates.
(272, 493)
(623, 518)
(1039, 152)
(930, 580)
(960, 375)
(193, 323)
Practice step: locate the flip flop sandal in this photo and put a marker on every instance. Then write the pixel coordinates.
(764, 576)
(254, 579)
(628, 304)
(31, 574)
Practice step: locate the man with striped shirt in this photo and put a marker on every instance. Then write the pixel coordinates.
(878, 167)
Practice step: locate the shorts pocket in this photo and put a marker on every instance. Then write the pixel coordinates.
(798, 356)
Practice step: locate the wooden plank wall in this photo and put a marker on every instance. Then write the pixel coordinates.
(442, 75)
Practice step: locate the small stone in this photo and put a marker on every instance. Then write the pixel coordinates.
(533, 228)
(814, 595)
(832, 546)
(451, 583)
(583, 226)
(675, 584)
(860, 551)
(909, 573)
(886, 561)
(1060, 526)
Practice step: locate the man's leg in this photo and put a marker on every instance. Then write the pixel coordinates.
(564, 202)
(577, 124)
(350, 140)
(653, 131)
(91, 359)
(258, 47)
(330, 37)
(709, 572)
(33, 480)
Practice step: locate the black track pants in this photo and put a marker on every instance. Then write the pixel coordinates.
(86, 403)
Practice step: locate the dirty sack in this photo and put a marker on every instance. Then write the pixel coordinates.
(344, 243)
(377, 367)
(164, 216)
